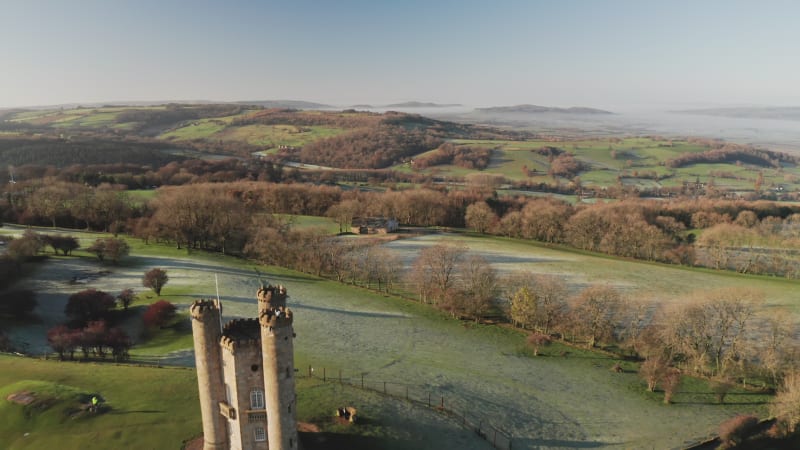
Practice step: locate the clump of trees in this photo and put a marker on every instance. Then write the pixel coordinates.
(95, 338)
(450, 279)
(468, 157)
(64, 244)
(370, 148)
(733, 153)
(110, 249)
(89, 313)
(89, 305)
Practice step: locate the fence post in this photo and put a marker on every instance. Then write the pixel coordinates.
(429, 399)
(324, 375)
(494, 440)
(406, 392)
(384, 387)
(340, 376)
(362, 381)
(443, 402)
(310, 371)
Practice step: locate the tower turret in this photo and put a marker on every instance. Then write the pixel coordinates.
(206, 331)
(277, 349)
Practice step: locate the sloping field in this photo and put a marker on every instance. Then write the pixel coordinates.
(641, 281)
(546, 402)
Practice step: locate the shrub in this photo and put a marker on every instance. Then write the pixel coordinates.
(736, 429)
(158, 314)
(670, 382)
(537, 340)
(126, 297)
(721, 388)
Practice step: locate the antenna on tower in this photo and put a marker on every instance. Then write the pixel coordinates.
(219, 302)
(260, 280)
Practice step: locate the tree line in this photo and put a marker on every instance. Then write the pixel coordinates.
(751, 237)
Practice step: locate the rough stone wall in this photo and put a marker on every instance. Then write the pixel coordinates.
(243, 372)
(207, 332)
(277, 339)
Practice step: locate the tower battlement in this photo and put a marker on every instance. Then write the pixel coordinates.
(200, 309)
(276, 317)
(241, 333)
(271, 296)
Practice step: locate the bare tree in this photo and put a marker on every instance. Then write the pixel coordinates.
(344, 212)
(786, 404)
(434, 271)
(478, 287)
(712, 329)
(593, 313)
(778, 344)
(480, 217)
(652, 371)
(670, 382)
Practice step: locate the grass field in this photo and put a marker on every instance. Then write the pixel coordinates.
(268, 136)
(543, 402)
(634, 159)
(156, 408)
(149, 408)
(638, 280)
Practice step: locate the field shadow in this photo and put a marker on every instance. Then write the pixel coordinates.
(298, 306)
(141, 411)
(336, 441)
(556, 443)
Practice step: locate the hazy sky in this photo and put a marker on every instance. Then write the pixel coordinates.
(343, 52)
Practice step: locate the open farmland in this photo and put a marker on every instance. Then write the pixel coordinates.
(547, 402)
(639, 281)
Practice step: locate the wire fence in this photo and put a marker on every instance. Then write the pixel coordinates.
(466, 414)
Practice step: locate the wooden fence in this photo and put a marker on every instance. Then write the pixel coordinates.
(465, 414)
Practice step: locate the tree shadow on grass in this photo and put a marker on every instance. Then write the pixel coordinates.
(556, 443)
(336, 441)
(297, 306)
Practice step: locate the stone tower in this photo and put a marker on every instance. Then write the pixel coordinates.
(207, 333)
(245, 373)
(277, 351)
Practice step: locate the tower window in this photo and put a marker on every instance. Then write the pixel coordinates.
(254, 367)
(256, 399)
(260, 434)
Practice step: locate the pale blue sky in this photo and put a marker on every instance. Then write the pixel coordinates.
(343, 52)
